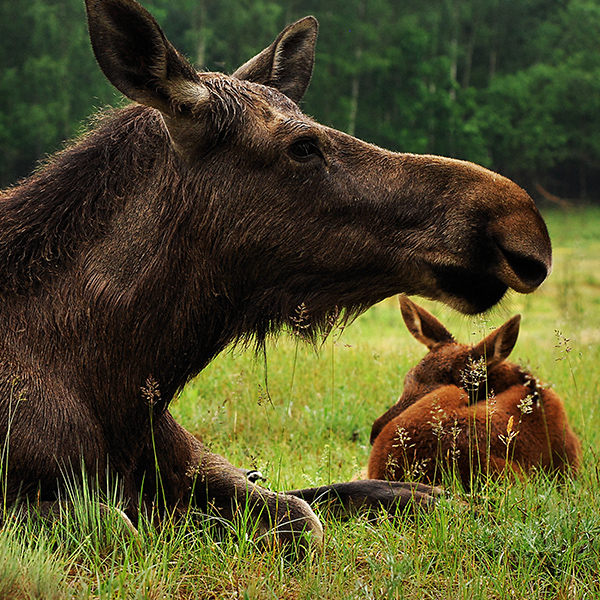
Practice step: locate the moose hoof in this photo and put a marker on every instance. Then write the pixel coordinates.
(298, 529)
(286, 522)
(396, 496)
(270, 519)
(370, 496)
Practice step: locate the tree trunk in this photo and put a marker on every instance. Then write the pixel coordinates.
(354, 96)
(199, 20)
(356, 79)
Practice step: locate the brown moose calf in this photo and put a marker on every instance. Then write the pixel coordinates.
(466, 410)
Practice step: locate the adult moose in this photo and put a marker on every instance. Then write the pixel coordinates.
(466, 409)
(203, 214)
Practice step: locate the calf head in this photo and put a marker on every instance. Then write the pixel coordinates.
(478, 369)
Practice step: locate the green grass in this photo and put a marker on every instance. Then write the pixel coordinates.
(306, 419)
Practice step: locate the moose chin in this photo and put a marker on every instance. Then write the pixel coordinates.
(204, 213)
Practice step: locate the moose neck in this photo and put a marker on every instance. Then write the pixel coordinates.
(108, 268)
(127, 267)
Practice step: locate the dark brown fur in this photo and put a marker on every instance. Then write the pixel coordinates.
(202, 215)
(463, 410)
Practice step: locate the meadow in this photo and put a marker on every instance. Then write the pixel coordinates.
(303, 417)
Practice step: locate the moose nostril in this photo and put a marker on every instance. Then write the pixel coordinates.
(531, 271)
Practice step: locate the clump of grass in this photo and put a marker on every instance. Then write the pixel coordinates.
(28, 566)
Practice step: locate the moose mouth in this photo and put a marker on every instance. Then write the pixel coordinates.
(475, 291)
(478, 292)
(471, 293)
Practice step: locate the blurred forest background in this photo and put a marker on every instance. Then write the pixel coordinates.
(510, 84)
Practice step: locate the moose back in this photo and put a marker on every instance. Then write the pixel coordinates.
(204, 213)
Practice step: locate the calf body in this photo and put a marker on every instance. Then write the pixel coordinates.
(466, 411)
(203, 214)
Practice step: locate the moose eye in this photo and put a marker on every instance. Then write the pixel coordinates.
(304, 150)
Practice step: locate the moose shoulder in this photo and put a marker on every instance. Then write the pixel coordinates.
(204, 213)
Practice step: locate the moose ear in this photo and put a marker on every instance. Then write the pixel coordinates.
(287, 64)
(423, 325)
(498, 345)
(136, 57)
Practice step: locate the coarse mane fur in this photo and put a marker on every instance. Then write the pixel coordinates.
(48, 218)
(60, 212)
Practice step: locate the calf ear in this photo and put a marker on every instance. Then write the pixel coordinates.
(287, 64)
(497, 346)
(423, 325)
(137, 58)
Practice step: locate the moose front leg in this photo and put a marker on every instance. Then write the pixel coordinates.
(189, 473)
(228, 490)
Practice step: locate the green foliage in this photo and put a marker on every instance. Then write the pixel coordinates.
(49, 81)
(513, 85)
(551, 108)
